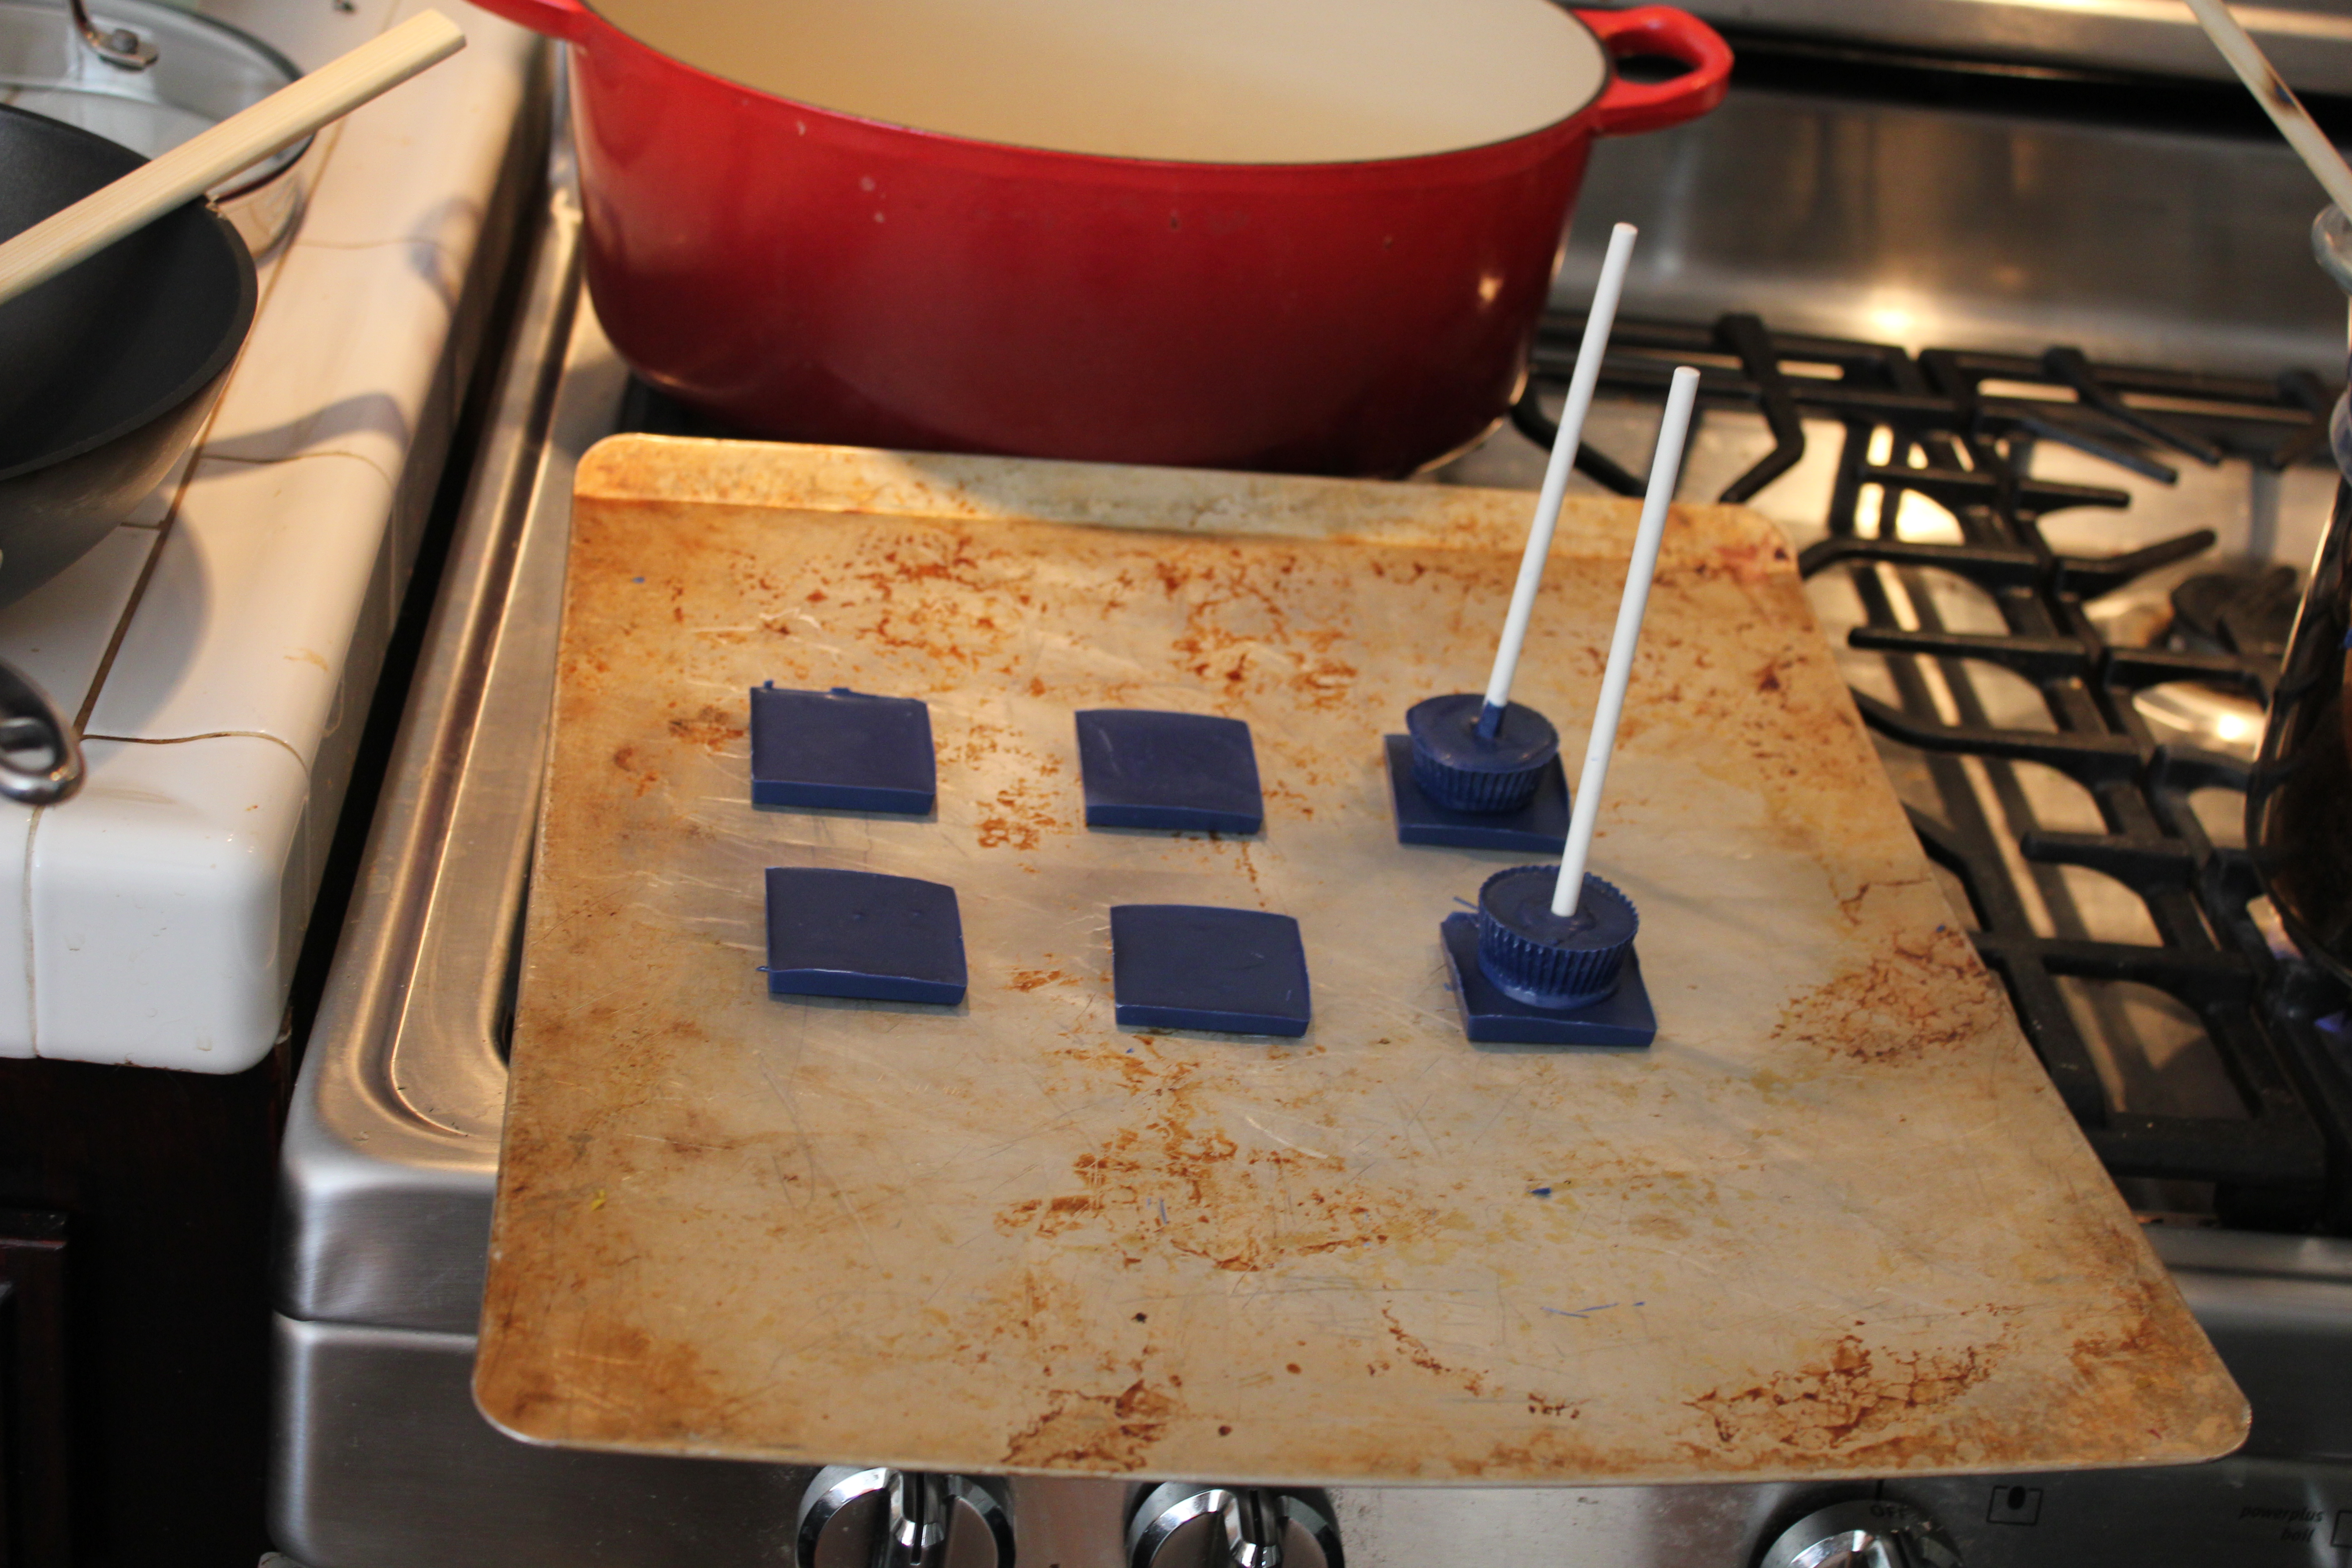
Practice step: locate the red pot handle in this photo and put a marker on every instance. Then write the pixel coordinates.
(566, 19)
(1633, 106)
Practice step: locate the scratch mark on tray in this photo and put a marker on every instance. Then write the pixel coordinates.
(817, 1166)
(785, 1179)
(1000, 1185)
(1410, 1114)
(678, 1143)
(1489, 1125)
(1060, 1119)
(1254, 1121)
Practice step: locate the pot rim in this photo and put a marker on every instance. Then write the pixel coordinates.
(148, 14)
(1550, 130)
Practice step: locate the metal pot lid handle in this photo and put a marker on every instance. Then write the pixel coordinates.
(30, 722)
(116, 46)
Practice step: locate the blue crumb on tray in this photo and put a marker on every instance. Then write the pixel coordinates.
(1177, 771)
(1190, 966)
(863, 934)
(1540, 826)
(842, 750)
(1622, 1019)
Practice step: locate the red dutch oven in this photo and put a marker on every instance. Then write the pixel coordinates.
(1292, 234)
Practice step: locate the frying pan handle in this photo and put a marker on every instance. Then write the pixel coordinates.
(566, 19)
(30, 722)
(1629, 106)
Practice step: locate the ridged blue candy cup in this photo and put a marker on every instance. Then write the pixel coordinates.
(1463, 770)
(1541, 959)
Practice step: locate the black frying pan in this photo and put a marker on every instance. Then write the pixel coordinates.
(106, 372)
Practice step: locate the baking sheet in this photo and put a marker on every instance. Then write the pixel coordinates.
(1835, 1222)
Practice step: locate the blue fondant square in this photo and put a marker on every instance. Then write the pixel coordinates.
(1540, 826)
(861, 933)
(1181, 771)
(1189, 967)
(842, 749)
(1622, 1018)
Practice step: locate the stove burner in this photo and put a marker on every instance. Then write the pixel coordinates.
(1959, 428)
(2249, 612)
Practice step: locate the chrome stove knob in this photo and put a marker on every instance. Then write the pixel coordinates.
(1185, 1524)
(1254, 1527)
(882, 1518)
(1863, 1533)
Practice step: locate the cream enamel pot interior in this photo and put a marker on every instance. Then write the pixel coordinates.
(1309, 234)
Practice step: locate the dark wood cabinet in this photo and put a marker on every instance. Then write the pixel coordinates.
(35, 1441)
(134, 1373)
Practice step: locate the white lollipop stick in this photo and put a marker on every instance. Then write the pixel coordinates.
(1671, 432)
(2278, 100)
(1580, 384)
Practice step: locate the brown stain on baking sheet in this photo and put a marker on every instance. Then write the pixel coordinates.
(1416, 1350)
(710, 727)
(1749, 562)
(1919, 995)
(1019, 817)
(1096, 1432)
(1851, 1395)
(1172, 1185)
(1239, 635)
(626, 1373)
(665, 1379)
(630, 760)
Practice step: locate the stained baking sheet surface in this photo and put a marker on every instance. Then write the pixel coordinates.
(1834, 1222)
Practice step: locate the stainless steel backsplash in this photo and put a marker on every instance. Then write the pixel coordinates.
(1933, 227)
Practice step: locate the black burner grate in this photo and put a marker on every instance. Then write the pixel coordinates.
(1948, 434)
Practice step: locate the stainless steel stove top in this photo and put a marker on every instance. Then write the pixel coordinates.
(391, 1153)
(1984, 227)
(2072, 750)
(2309, 40)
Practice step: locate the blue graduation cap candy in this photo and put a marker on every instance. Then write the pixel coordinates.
(1552, 961)
(1480, 753)
(842, 749)
(861, 933)
(1549, 958)
(1525, 976)
(1624, 1018)
(1538, 827)
(1193, 966)
(1466, 765)
(1181, 772)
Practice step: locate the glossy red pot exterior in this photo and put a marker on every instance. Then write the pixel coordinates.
(812, 275)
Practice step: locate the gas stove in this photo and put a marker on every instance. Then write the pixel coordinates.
(2067, 705)
(2010, 631)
